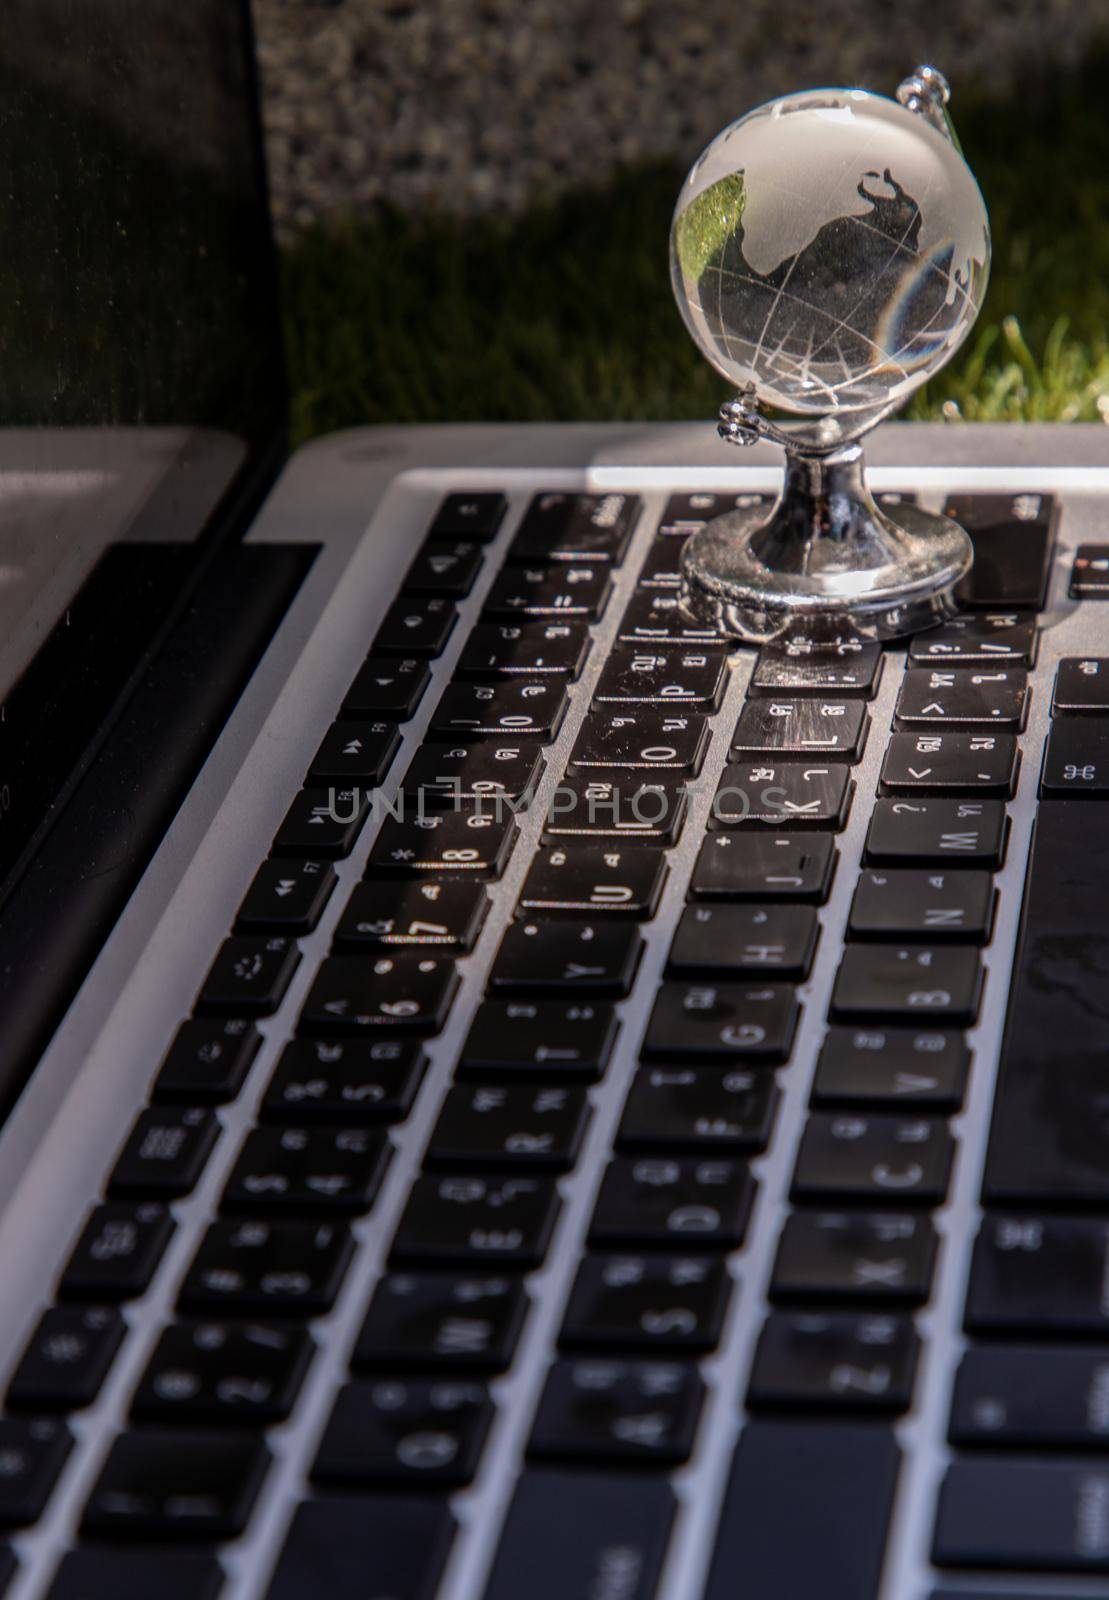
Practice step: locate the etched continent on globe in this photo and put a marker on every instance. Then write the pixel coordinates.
(832, 249)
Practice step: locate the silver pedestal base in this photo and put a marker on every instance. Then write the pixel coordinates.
(828, 563)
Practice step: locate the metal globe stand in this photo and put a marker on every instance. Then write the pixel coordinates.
(828, 562)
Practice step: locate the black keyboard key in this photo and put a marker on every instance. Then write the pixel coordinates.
(473, 840)
(864, 1258)
(118, 1252)
(1090, 573)
(66, 1359)
(647, 1303)
(834, 1361)
(469, 516)
(689, 511)
(519, 708)
(442, 1321)
(463, 1221)
(509, 1126)
(907, 903)
(609, 1411)
(441, 913)
(591, 879)
(622, 805)
(720, 941)
(847, 1156)
(249, 975)
(555, 650)
(208, 1060)
(642, 738)
(745, 865)
(387, 688)
(698, 1110)
(577, 1533)
(1002, 637)
(494, 772)
(655, 617)
(1032, 1515)
(258, 1268)
(995, 1594)
(286, 897)
(1049, 1137)
(1081, 687)
(903, 982)
(345, 1080)
(164, 1154)
(1011, 1398)
(892, 1067)
(1039, 1275)
(794, 1488)
(415, 625)
(728, 1022)
(576, 527)
(176, 1484)
(790, 795)
(586, 958)
(355, 753)
(925, 832)
(445, 566)
(307, 1169)
(1076, 761)
(322, 823)
(33, 1451)
(667, 1202)
(1013, 537)
(980, 697)
(560, 590)
(663, 678)
(662, 565)
(794, 726)
(406, 990)
(405, 1432)
(333, 1544)
(972, 764)
(105, 1574)
(238, 1375)
(540, 1038)
(853, 670)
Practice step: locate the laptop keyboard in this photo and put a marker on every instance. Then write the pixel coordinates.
(606, 937)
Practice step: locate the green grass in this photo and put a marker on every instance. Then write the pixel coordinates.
(566, 312)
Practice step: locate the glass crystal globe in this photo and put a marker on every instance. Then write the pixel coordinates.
(831, 249)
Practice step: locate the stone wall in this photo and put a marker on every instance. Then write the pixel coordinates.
(473, 105)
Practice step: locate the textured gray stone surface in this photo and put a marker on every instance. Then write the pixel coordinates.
(473, 105)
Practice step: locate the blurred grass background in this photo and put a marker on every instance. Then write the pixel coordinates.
(565, 313)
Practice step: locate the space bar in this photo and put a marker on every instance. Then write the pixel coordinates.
(806, 1512)
(1050, 1139)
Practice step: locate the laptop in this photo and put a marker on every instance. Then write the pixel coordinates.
(506, 1093)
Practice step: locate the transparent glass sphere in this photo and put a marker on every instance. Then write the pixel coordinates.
(831, 248)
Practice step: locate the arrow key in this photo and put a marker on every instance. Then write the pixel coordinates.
(286, 897)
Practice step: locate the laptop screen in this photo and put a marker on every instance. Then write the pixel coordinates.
(140, 367)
